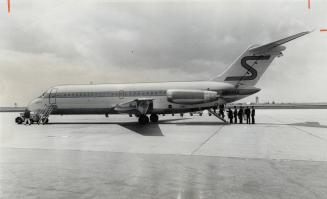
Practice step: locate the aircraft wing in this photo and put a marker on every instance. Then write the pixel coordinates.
(139, 105)
(270, 46)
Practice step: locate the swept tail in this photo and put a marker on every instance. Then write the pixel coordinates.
(248, 68)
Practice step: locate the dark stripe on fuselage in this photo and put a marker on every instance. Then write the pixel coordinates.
(106, 94)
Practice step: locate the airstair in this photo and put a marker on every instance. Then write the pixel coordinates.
(217, 115)
(45, 112)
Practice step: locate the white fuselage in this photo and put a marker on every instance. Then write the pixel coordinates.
(103, 98)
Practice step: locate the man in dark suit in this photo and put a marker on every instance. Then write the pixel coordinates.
(252, 115)
(240, 115)
(235, 115)
(230, 115)
(247, 114)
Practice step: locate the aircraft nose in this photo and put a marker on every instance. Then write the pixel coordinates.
(35, 105)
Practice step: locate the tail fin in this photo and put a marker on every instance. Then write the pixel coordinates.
(249, 67)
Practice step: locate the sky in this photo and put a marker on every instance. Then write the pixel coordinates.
(44, 43)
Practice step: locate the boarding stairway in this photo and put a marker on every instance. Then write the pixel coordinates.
(217, 115)
(45, 112)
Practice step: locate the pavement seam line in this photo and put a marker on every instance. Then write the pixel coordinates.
(299, 129)
(163, 154)
(203, 143)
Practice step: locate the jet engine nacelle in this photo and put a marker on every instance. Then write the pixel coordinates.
(191, 96)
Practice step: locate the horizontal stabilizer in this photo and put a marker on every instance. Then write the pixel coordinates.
(269, 46)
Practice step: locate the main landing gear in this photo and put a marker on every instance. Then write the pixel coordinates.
(144, 119)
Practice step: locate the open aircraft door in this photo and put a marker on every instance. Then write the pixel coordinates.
(121, 94)
(52, 96)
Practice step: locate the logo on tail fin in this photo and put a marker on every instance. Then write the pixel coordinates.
(248, 68)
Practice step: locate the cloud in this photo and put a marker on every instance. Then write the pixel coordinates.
(45, 43)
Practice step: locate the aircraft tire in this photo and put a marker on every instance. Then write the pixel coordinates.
(19, 120)
(154, 118)
(143, 119)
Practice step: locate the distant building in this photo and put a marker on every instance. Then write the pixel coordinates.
(257, 100)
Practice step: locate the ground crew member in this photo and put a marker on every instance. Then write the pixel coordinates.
(235, 115)
(240, 115)
(247, 113)
(252, 115)
(230, 115)
(27, 115)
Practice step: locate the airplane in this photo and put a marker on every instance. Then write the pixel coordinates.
(142, 99)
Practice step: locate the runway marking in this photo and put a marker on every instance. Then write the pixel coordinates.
(203, 143)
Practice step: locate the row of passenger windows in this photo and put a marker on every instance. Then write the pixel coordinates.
(109, 94)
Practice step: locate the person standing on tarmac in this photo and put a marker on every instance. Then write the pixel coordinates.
(247, 114)
(252, 115)
(235, 115)
(221, 111)
(240, 115)
(27, 115)
(230, 115)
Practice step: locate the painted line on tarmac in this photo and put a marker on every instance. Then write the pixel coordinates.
(203, 143)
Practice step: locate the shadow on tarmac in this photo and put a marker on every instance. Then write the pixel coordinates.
(151, 129)
(146, 130)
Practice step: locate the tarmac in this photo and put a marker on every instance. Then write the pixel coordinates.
(283, 155)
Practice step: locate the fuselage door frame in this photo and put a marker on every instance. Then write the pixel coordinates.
(121, 94)
(52, 96)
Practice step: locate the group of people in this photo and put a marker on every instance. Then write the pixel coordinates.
(237, 116)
